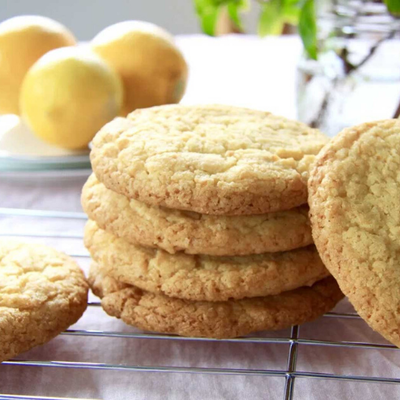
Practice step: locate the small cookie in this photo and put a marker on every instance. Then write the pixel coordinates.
(355, 213)
(203, 277)
(213, 159)
(42, 293)
(159, 313)
(193, 233)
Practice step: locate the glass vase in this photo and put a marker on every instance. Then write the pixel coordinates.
(357, 75)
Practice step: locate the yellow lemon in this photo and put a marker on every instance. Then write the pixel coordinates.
(23, 40)
(68, 95)
(152, 68)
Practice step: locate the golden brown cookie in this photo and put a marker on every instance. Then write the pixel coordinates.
(208, 159)
(193, 233)
(42, 292)
(203, 277)
(159, 313)
(355, 213)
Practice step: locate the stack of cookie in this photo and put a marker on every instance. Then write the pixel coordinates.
(198, 223)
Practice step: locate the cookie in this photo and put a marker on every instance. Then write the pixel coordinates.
(203, 277)
(42, 293)
(193, 233)
(218, 160)
(159, 313)
(355, 213)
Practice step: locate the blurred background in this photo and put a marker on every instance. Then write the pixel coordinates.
(87, 18)
(349, 73)
(323, 62)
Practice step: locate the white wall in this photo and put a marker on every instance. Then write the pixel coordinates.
(87, 17)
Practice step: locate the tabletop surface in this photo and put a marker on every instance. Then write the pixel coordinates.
(236, 70)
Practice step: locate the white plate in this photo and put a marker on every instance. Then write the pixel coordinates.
(45, 176)
(26, 159)
(19, 144)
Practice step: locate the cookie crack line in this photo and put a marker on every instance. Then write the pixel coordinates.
(197, 277)
(354, 198)
(193, 233)
(236, 168)
(42, 293)
(228, 319)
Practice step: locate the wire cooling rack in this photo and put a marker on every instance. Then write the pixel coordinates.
(18, 221)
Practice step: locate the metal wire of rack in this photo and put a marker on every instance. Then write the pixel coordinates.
(290, 373)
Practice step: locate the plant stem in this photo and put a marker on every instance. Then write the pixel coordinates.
(317, 121)
(349, 69)
(371, 52)
(397, 112)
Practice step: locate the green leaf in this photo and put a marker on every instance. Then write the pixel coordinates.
(393, 7)
(234, 6)
(244, 5)
(270, 21)
(308, 28)
(208, 11)
(209, 21)
(233, 12)
(291, 11)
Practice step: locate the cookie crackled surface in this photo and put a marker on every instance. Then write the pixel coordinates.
(197, 277)
(42, 292)
(159, 313)
(193, 233)
(354, 196)
(208, 159)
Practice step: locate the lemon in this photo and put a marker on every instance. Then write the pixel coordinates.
(23, 40)
(68, 95)
(152, 68)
